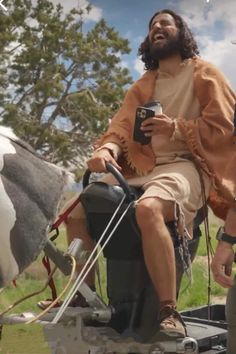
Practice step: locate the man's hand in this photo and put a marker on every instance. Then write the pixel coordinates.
(97, 163)
(221, 265)
(160, 124)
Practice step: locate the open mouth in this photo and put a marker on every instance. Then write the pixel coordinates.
(158, 37)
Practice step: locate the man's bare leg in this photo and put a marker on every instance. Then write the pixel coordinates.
(76, 228)
(158, 249)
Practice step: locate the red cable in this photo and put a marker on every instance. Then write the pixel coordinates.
(62, 217)
(46, 263)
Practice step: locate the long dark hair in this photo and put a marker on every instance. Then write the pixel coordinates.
(188, 45)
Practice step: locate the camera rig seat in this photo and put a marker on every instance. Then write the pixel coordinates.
(129, 288)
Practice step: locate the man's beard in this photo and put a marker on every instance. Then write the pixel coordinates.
(172, 46)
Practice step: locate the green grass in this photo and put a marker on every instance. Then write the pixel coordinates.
(28, 339)
(23, 339)
(196, 294)
(202, 249)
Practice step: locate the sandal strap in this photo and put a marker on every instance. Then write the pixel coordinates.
(169, 311)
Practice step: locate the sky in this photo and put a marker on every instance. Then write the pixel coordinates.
(213, 23)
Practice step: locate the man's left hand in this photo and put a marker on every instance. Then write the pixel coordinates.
(221, 265)
(159, 124)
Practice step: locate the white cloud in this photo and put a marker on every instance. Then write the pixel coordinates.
(124, 64)
(214, 27)
(139, 66)
(223, 55)
(202, 14)
(214, 24)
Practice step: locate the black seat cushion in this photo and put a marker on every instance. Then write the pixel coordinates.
(100, 201)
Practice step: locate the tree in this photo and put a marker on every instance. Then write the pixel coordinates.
(59, 83)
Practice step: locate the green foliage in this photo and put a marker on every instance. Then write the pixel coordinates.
(59, 83)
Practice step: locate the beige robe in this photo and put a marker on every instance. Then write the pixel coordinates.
(203, 128)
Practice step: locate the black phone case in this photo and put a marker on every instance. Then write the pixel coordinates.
(142, 113)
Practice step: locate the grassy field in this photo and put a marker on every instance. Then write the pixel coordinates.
(28, 339)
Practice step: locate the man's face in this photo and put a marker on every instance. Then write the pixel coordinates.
(163, 37)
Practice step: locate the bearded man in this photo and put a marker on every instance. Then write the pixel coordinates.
(191, 138)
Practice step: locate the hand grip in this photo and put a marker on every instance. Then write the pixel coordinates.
(118, 176)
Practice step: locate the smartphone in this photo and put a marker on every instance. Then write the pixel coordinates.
(142, 113)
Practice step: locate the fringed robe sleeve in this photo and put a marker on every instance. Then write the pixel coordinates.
(209, 137)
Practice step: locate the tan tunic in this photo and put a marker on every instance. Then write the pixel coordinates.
(174, 178)
(178, 100)
(209, 137)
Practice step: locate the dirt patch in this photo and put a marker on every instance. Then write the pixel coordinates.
(218, 300)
